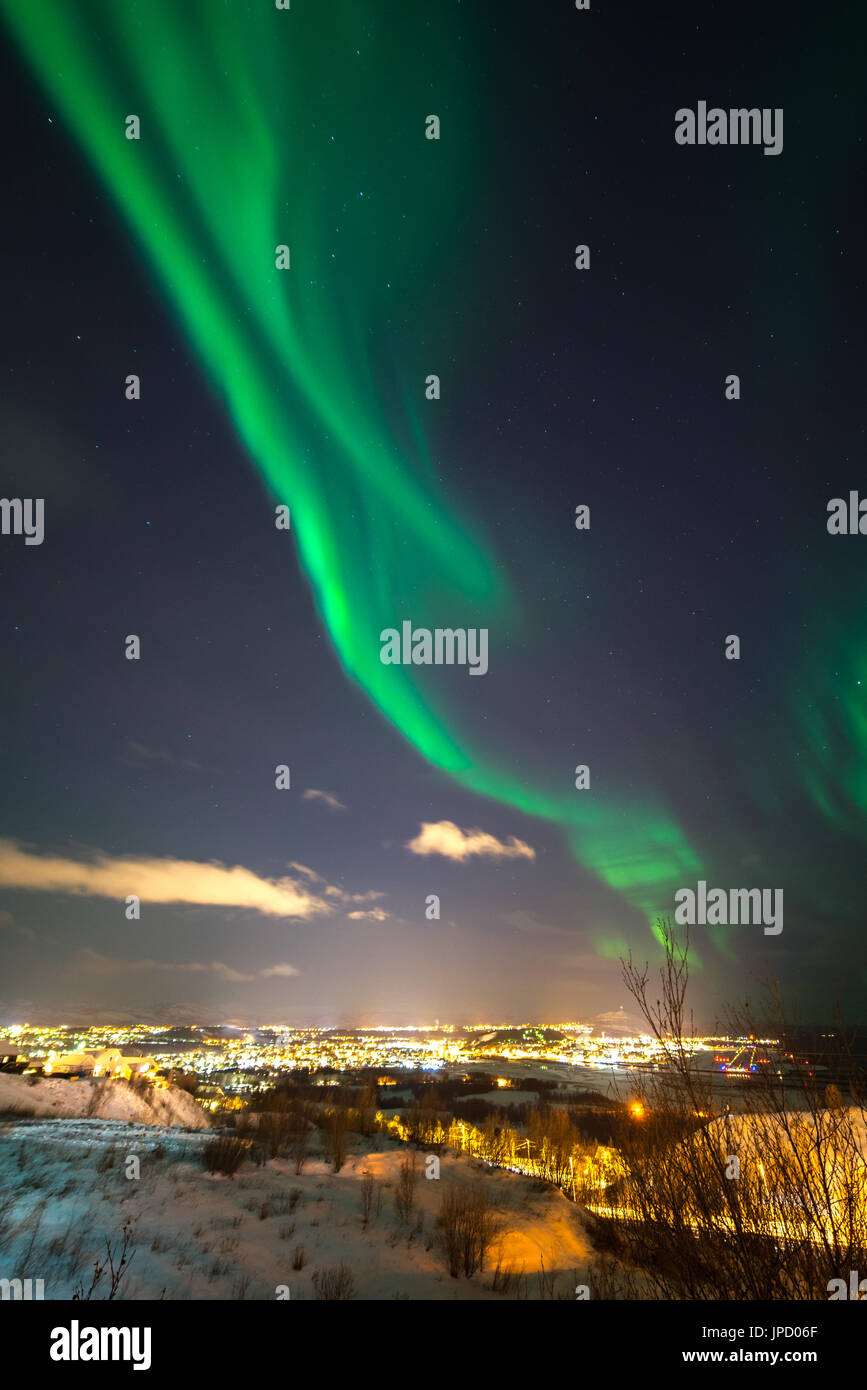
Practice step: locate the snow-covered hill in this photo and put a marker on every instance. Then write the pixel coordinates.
(69, 1186)
(105, 1099)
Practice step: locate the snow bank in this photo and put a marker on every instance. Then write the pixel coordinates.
(103, 1099)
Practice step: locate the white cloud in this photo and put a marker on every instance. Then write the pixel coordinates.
(332, 891)
(445, 838)
(157, 881)
(344, 897)
(308, 873)
(371, 914)
(330, 799)
(141, 753)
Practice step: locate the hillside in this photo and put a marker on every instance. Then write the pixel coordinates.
(66, 1189)
(25, 1097)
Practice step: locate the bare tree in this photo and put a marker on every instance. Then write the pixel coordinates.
(468, 1226)
(367, 1105)
(298, 1139)
(368, 1188)
(404, 1199)
(769, 1203)
(336, 1125)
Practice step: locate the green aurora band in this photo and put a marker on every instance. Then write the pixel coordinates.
(254, 126)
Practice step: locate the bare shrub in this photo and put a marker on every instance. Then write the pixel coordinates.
(468, 1226)
(510, 1282)
(335, 1283)
(113, 1268)
(404, 1197)
(225, 1154)
(299, 1143)
(546, 1280)
(613, 1280)
(32, 1223)
(368, 1187)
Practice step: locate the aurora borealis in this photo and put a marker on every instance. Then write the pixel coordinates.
(306, 128)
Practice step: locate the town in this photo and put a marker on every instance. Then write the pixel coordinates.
(229, 1063)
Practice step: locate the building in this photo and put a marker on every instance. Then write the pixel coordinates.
(107, 1061)
(70, 1064)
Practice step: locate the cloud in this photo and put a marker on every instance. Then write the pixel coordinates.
(308, 873)
(332, 801)
(141, 753)
(98, 964)
(372, 914)
(344, 897)
(446, 838)
(332, 891)
(158, 881)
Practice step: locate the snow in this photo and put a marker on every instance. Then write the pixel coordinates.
(64, 1190)
(102, 1099)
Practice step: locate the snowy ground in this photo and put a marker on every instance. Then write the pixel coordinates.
(64, 1190)
(24, 1096)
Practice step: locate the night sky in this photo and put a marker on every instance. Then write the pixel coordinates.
(306, 387)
